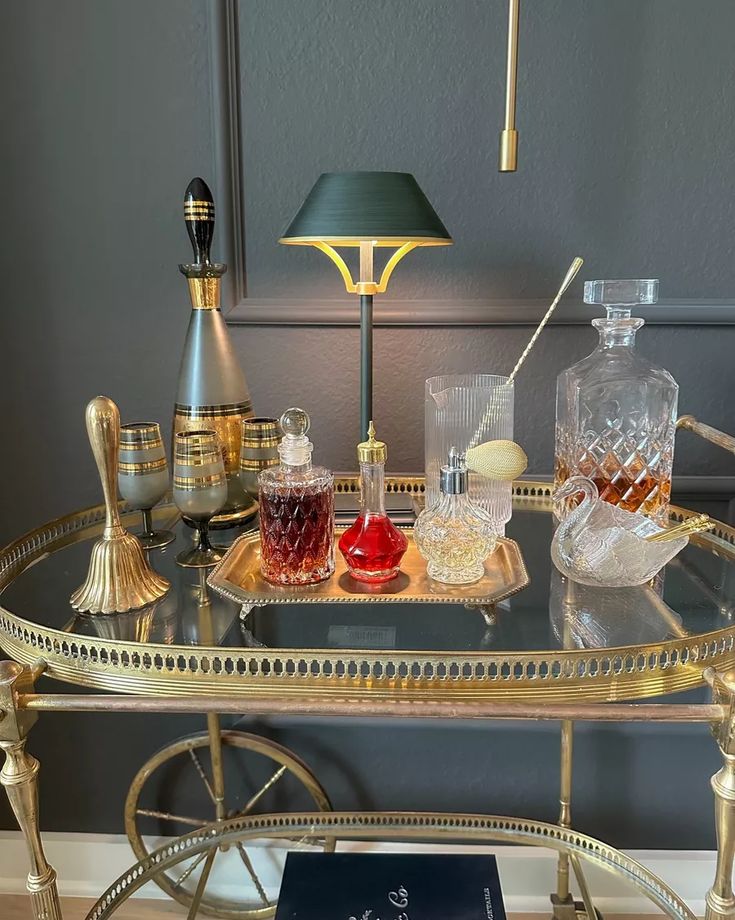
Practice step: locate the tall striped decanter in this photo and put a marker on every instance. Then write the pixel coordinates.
(212, 393)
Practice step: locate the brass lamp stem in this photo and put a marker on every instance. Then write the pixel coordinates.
(367, 249)
(508, 161)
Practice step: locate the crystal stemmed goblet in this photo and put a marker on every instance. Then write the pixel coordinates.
(200, 490)
(142, 478)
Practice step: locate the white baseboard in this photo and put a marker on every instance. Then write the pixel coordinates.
(88, 863)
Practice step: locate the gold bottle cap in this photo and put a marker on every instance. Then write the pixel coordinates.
(372, 451)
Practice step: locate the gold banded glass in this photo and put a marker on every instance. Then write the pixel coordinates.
(200, 490)
(143, 477)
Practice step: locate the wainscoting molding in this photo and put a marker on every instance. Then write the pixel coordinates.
(272, 312)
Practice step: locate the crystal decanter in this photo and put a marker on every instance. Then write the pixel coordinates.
(296, 511)
(615, 411)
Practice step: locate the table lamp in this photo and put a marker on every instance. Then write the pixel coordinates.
(365, 210)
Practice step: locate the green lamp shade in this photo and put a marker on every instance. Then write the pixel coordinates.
(344, 209)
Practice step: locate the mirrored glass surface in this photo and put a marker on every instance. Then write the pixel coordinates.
(694, 594)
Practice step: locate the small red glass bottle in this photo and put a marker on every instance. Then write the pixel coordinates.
(373, 546)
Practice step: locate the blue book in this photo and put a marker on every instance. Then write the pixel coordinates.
(390, 886)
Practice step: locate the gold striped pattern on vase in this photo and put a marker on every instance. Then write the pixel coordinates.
(226, 421)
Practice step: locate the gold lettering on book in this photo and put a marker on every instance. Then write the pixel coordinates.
(397, 898)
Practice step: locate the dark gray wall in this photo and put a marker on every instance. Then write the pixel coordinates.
(106, 108)
(614, 165)
(323, 375)
(107, 113)
(626, 137)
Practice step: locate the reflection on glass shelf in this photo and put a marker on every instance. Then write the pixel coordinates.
(583, 616)
(190, 614)
(696, 593)
(134, 626)
(428, 627)
(720, 589)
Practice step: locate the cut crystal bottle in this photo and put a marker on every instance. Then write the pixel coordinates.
(454, 535)
(296, 511)
(615, 411)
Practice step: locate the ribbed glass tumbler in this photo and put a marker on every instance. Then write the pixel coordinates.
(462, 411)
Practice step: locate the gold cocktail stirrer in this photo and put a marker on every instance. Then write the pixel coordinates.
(696, 524)
(571, 274)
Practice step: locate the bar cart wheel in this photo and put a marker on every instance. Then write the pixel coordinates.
(242, 756)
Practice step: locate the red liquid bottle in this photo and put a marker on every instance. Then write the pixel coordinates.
(373, 546)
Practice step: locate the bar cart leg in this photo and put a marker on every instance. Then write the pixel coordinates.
(564, 906)
(562, 902)
(19, 776)
(720, 899)
(206, 631)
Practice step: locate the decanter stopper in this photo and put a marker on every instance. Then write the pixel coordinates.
(199, 219)
(618, 296)
(295, 448)
(203, 274)
(372, 450)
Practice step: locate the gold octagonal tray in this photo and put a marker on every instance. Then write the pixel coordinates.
(238, 578)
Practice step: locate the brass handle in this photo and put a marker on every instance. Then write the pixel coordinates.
(103, 429)
(714, 435)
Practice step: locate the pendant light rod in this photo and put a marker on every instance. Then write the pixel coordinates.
(508, 161)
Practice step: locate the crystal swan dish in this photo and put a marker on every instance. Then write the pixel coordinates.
(602, 545)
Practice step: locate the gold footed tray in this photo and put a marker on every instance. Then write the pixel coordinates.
(238, 578)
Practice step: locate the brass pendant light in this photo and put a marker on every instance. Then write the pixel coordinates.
(508, 160)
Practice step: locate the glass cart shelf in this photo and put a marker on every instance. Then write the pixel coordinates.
(553, 650)
(552, 641)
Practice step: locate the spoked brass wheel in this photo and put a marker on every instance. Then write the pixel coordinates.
(191, 783)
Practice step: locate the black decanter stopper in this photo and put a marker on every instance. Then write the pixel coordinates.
(199, 218)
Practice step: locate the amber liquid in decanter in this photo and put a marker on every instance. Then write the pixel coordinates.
(296, 511)
(650, 495)
(296, 535)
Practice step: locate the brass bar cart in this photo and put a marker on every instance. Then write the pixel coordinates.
(205, 657)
